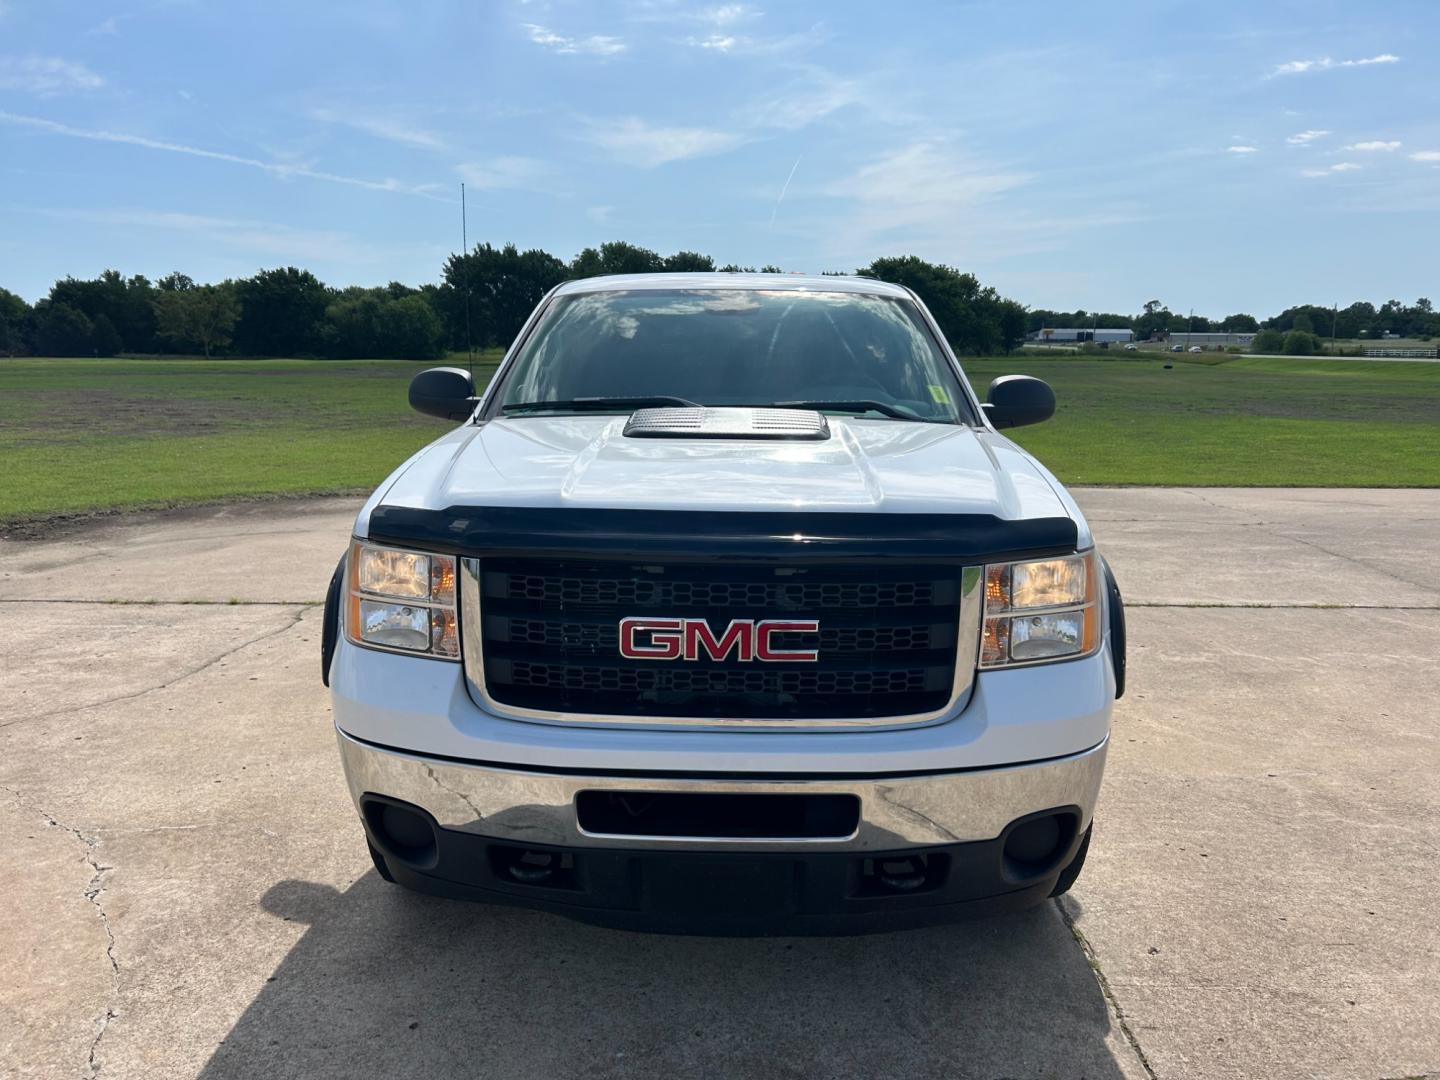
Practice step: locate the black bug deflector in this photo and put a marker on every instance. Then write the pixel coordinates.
(965, 539)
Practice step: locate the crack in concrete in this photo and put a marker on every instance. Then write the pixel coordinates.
(1311, 544)
(294, 622)
(69, 564)
(1351, 560)
(1278, 607)
(160, 603)
(1210, 502)
(94, 890)
(1094, 961)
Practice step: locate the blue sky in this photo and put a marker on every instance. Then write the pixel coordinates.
(1223, 156)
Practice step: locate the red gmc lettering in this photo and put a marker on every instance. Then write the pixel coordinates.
(748, 639)
(763, 631)
(740, 634)
(664, 636)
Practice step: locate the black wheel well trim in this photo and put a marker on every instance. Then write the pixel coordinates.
(330, 628)
(1115, 609)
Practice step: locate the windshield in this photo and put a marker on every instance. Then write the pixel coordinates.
(861, 354)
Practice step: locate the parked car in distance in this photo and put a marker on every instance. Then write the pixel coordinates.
(1131, 347)
(728, 607)
(1177, 348)
(1196, 348)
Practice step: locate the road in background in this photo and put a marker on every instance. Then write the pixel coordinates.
(186, 891)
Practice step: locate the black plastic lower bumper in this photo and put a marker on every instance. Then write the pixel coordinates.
(725, 893)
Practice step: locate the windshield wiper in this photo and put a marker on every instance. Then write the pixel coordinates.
(855, 406)
(600, 404)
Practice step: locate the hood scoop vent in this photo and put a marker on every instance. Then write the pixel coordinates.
(727, 423)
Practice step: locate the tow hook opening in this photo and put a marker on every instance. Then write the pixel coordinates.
(901, 874)
(533, 867)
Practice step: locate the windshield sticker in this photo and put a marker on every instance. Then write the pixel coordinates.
(939, 394)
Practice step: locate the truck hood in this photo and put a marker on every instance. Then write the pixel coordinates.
(866, 466)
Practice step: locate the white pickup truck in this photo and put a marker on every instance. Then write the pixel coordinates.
(726, 609)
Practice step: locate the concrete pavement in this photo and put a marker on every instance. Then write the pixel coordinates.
(186, 893)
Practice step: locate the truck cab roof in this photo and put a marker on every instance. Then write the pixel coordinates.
(724, 280)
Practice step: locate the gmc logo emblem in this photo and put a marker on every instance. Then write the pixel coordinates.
(686, 639)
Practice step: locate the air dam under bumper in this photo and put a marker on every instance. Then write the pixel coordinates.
(914, 849)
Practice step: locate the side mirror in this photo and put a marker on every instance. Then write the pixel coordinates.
(1017, 400)
(446, 392)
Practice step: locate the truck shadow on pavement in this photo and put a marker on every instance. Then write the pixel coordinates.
(390, 984)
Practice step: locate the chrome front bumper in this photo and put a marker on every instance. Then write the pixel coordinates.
(895, 812)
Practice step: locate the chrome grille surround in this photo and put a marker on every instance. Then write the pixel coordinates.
(967, 641)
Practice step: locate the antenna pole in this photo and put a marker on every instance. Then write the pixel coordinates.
(465, 279)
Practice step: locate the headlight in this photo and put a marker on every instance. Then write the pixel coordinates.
(1041, 610)
(402, 600)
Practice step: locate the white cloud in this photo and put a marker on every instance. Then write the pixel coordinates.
(729, 43)
(390, 127)
(1325, 63)
(721, 29)
(46, 76)
(1338, 167)
(109, 27)
(1300, 138)
(594, 45)
(282, 170)
(997, 228)
(259, 237)
(1426, 155)
(804, 101)
(502, 172)
(1242, 149)
(927, 186)
(1374, 146)
(717, 42)
(729, 14)
(636, 142)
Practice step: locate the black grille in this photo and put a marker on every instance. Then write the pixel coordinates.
(886, 643)
(785, 596)
(558, 634)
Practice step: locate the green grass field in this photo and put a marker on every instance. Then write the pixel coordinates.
(80, 436)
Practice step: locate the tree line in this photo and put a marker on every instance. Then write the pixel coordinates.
(1358, 320)
(485, 295)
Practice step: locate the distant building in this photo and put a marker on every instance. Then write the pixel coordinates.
(1210, 339)
(1076, 334)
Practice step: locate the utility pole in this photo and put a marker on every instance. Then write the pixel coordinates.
(465, 276)
(1189, 329)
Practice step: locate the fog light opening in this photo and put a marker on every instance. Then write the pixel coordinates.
(1035, 846)
(401, 831)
